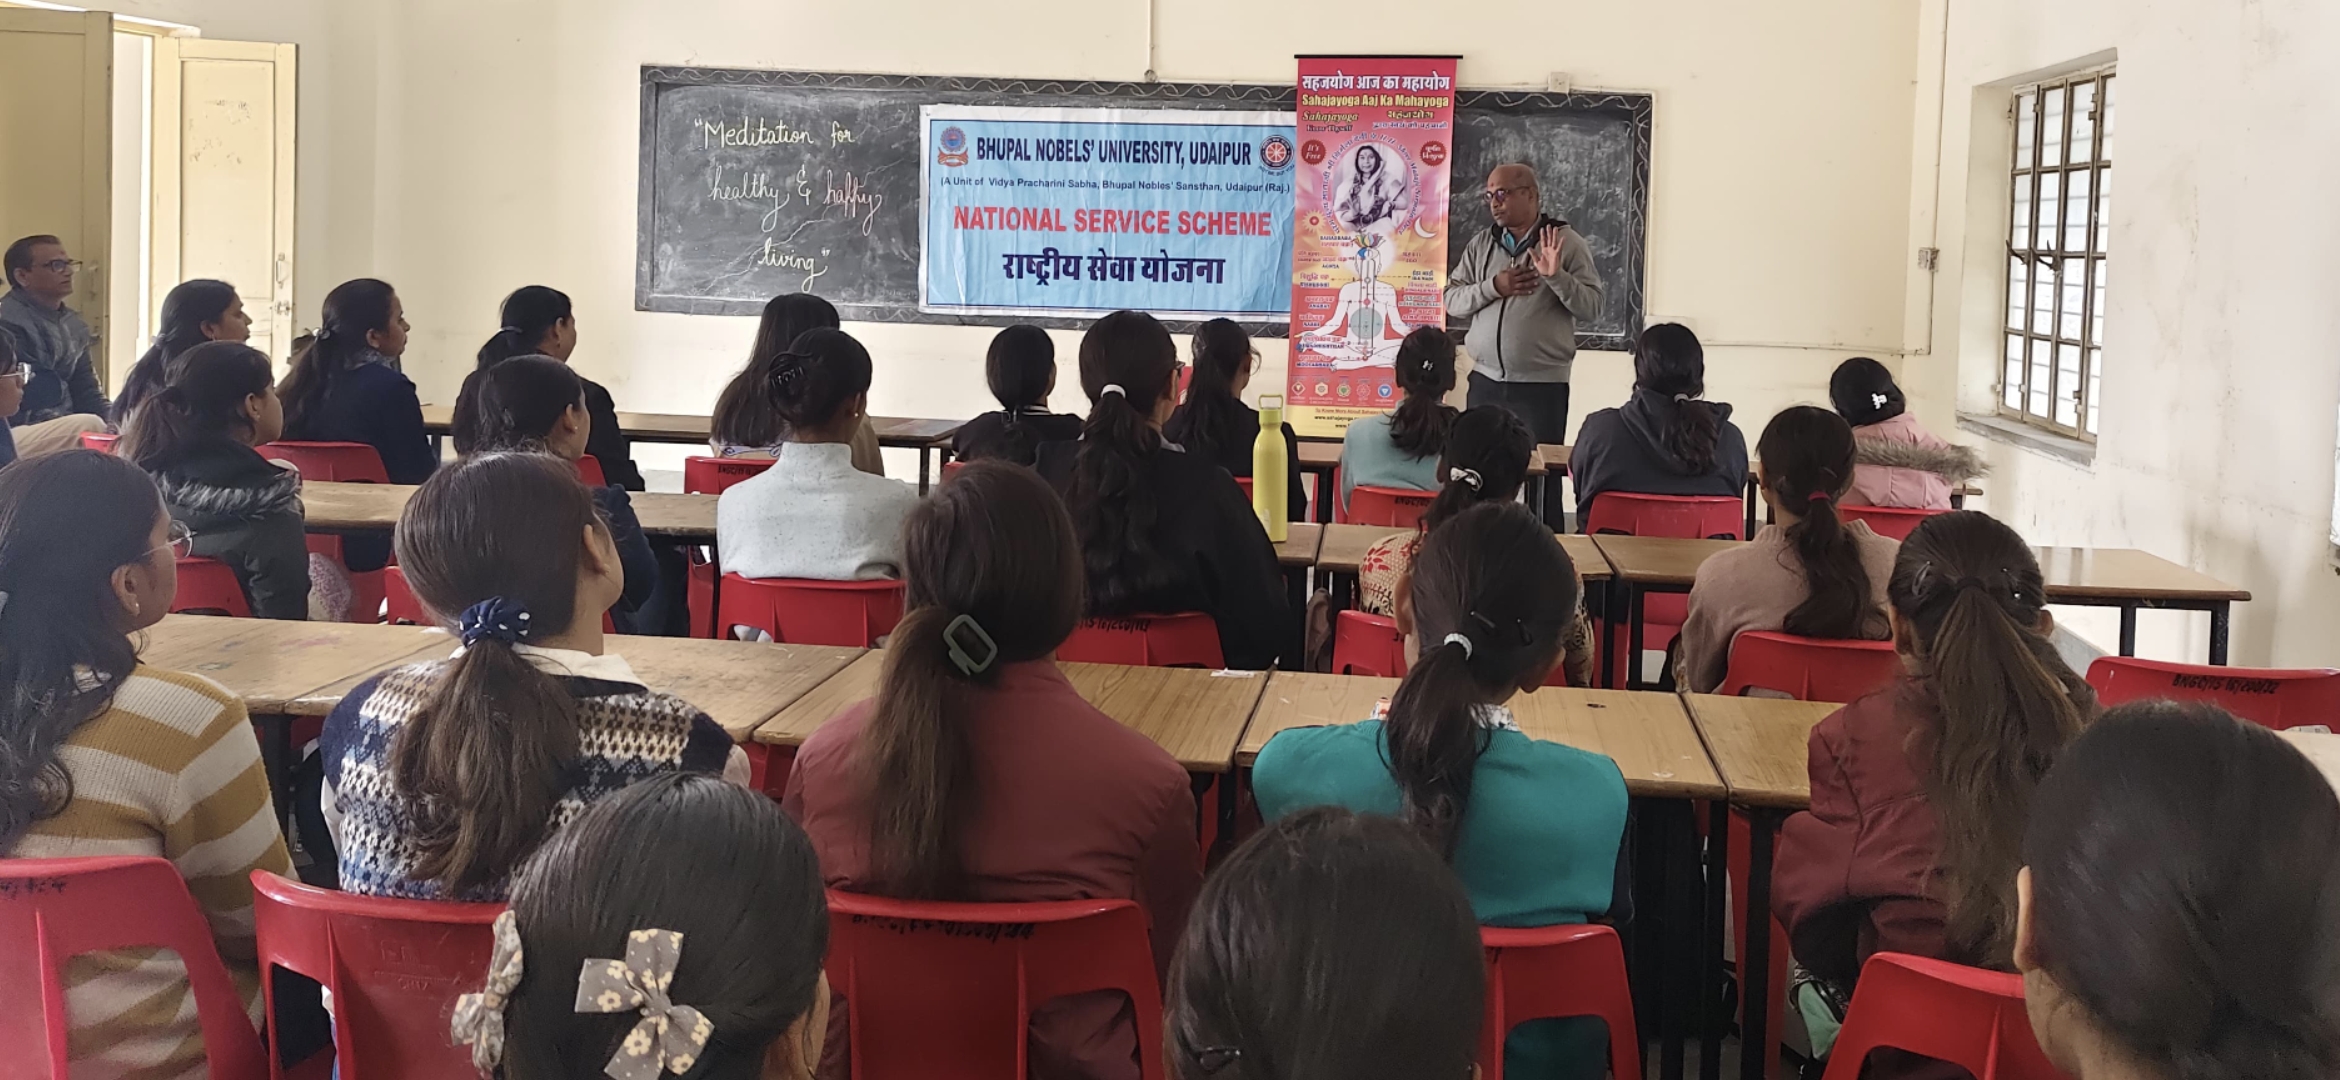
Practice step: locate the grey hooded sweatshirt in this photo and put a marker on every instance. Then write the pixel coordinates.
(1529, 338)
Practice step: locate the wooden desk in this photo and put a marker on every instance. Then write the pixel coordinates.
(342, 507)
(1301, 543)
(741, 684)
(282, 667)
(1196, 715)
(2131, 580)
(924, 436)
(1343, 550)
(1319, 457)
(1643, 565)
(2321, 748)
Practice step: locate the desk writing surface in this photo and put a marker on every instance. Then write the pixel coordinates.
(1300, 545)
(274, 665)
(345, 507)
(1319, 455)
(1298, 699)
(2321, 748)
(740, 684)
(1761, 746)
(1556, 456)
(911, 432)
(1591, 565)
(2126, 574)
(1345, 545)
(1658, 560)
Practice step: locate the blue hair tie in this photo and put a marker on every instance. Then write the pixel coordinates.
(494, 619)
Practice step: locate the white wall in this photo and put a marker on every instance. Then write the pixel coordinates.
(2219, 382)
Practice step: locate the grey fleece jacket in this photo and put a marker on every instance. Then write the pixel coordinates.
(1529, 338)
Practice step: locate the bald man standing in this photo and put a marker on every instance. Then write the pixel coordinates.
(1524, 282)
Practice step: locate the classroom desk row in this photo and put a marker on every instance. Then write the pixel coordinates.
(931, 438)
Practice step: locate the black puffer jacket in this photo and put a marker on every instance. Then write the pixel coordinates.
(246, 513)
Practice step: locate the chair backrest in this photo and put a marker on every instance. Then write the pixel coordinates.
(938, 989)
(52, 910)
(399, 602)
(951, 469)
(589, 471)
(1971, 1018)
(710, 475)
(1809, 669)
(394, 968)
(1699, 517)
(1244, 482)
(344, 462)
(1888, 520)
(1557, 971)
(1368, 645)
(1395, 508)
(2273, 697)
(1187, 639)
(797, 611)
(210, 587)
(99, 441)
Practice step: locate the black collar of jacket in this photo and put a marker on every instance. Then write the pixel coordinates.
(228, 481)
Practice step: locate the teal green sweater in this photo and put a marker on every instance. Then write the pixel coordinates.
(1538, 846)
(1368, 457)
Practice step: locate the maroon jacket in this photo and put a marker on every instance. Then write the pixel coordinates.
(1071, 806)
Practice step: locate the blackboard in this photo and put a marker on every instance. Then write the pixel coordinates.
(755, 183)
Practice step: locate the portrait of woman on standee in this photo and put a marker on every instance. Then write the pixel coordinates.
(1373, 195)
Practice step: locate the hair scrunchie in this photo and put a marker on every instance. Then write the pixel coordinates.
(787, 368)
(1462, 640)
(494, 619)
(1461, 475)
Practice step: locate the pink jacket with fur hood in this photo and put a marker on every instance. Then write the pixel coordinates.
(1898, 463)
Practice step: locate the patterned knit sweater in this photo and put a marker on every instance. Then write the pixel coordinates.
(626, 732)
(170, 769)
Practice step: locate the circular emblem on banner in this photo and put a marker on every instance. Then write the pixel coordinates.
(951, 148)
(1312, 152)
(1344, 389)
(1275, 152)
(1323, 388)
(1433, 153)
(1382, 390)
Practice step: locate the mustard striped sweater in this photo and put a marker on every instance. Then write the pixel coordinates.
(170, 769)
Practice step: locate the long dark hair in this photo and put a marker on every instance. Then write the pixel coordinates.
(529, 314)
(203, 405)
(746, 414)
(1019, 368)
(352, 310)
(818, 374)
(1222, 353)
(1425, 371)
(1864, 392)
(185, 310)
(996, 547)
(1668, 361)
(516, 403)
(1995, 702)
(1330, 946)
(1114, 507)
(67, 521)
(1493, 575)
(1808, 465)
(752, 936)
(2185, 890)
(1486, 460)
(488, 755)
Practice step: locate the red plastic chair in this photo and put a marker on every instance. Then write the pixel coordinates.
(1368, 645)
(209, 587)
(1888, 520)
(1557, 971)
(399, 601)
(52, 910)
(394, 968)
(1808, 669)
(339, 462)
(99, 441)
(1971, 1018)
(2278, 698)
(1703, 517)
(1244, 482)
(798, 611)
(1396, 508)
(589, 471)
(1187, 639)
(951, 469)
(939, 989)
(710, 475)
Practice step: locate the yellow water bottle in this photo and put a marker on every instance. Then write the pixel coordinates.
(1269, 473)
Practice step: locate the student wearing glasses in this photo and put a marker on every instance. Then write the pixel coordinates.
(61, 395)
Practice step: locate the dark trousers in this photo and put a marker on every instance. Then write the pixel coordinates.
(1543, 406)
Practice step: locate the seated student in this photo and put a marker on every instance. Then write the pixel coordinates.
(1534, 828)
(536, 404)
(1901, 464)
(979, 773)
(62, 397)
(813, 514)
(1664, 440)
(346, 386)
(12, 376)
(1811, 573)
(441, 777)
(1399, 449)
(108, 756)
(192, 313)
(1486, 461)
(746, 941)
(1921, 790)
(1215, 422)
(1021, 371)
(195, 435)
(1162, 531)
(540, 321)
(1330, 946)
(2179, 906)
(747, 421)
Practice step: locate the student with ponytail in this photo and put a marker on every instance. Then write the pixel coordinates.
(1666, 439)
(1021, 371)
(1215, 423)
(346, 385)
(1535, 829)
(748, 420)
(1400, 449)
(980, 774)
(539, 321)
(441, 777)
(1811, 573)
(1162, 531)
(1921, 791)
(197, 441)
(192, 313)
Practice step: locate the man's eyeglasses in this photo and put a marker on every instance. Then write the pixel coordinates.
(181, 543)
(62, 266)
(1499, 196)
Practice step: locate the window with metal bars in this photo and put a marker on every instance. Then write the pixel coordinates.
(2060, 197)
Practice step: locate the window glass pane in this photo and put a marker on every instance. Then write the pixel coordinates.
(2021, 235)
(2076, 211)
(2104, 121)
(2026, 125)
(2051, 126)
(2043, 298)
(2103, 210)
(2018, 280)
(2083, 121)
(2011, 390)
(2068, 385)
(2096, 313)
(2040, 379)
(2074, 295)
(2051, 199)
(2095, 385)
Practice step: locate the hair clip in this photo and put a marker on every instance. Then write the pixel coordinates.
(479, 1018)
(967, 664)
(1471, 477)
(1211, 1059)
(670, 1037)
